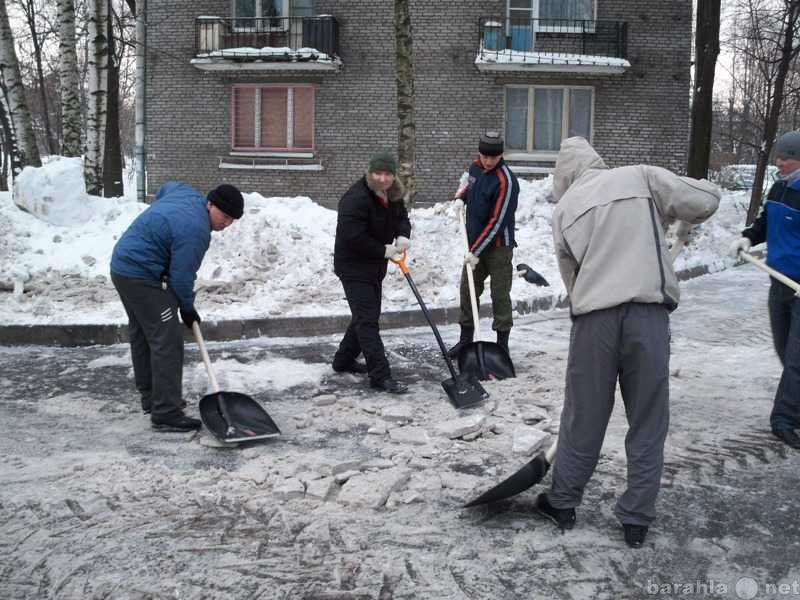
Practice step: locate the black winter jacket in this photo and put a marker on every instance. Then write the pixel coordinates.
(363, 229)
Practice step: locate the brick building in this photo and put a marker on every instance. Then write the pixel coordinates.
(290, 97)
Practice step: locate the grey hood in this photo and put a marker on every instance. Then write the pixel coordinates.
(574, 159)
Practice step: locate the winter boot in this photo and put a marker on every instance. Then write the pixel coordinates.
(502, 340)
(564, 518)
(467, 334)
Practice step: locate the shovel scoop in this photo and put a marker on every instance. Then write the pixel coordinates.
(230, 416)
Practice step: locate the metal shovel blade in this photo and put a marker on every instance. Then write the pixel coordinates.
(246, 419)
(486, 361)
(528, 476)
(464, 391)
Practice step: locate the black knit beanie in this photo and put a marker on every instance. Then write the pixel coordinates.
(228, 199)
(383, 161)
(491, 144)
(788, 146)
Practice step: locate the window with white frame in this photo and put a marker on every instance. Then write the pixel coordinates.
(525, 17)
(244, 11)
(272, 117)
(539, 117)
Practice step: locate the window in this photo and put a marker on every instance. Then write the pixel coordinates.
(539, 117)
(272, 117)
(246, 11)
(525, 17)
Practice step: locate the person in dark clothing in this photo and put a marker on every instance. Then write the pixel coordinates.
(779, 226)
(153, 268)
(372, 227)
(490, 198)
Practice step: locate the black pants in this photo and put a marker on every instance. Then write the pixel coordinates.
(363, 332)
(784, 319)
(156, 338)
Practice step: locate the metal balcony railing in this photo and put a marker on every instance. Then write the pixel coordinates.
(553, 36)
(237, 38)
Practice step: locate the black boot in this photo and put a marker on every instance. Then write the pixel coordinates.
(502, 340)
(467, 334)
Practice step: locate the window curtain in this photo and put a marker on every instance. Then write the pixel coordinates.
(244, 117)
(303, 118)
(547, 119)
(565, 9)
(520, 26)
(580, 113)
(274, 112)
(517, 118)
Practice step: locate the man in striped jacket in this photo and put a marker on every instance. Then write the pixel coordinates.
(490, 199)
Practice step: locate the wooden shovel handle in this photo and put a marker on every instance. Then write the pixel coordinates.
(204, 353)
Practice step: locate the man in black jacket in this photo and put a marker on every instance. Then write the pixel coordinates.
(372, 227)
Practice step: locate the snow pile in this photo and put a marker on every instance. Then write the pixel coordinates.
(277, 260)
(55, 192)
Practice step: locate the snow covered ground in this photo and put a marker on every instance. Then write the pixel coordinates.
(361, 497)
(276, 261)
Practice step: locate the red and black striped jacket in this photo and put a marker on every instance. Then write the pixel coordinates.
(491, 202)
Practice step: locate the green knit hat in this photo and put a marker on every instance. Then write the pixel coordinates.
(383, 161)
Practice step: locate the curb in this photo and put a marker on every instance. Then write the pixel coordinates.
(90, 335)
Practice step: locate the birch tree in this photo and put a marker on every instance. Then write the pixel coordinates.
(406, 138)
(24, 142)
(97, 97)
(68, 78)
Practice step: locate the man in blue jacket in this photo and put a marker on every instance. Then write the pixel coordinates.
(779, 226)
(153, 268)
(490, 198)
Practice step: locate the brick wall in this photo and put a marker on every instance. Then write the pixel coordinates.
(640, 116)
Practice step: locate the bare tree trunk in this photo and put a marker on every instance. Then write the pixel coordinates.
(14, 91)
(7, 152)
(112, 164)
(29, 8)
(406, 138)
(788, 51)
(97, 101)
(706, 52)
(68, 76)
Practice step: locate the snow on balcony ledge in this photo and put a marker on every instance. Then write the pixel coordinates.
(516, 60)
(266, 59)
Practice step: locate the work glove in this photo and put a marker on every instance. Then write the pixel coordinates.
(189, 316)
(471, 261)
(459, 204)
(742, 244)
(402, 243)
(391, 251)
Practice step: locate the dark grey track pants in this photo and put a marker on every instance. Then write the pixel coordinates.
(629, 342)
(156, 338)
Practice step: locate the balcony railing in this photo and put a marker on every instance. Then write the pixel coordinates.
(567, 37)
(265, 39)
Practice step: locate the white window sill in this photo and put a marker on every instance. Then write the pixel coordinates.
(307, 155)
(530, 156)
(260, 163)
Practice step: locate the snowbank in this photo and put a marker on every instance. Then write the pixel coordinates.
(55, 192)
(277, 260)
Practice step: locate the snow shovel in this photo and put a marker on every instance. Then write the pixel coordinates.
(230, 416)
(772, 272)
(484, 360)
(535, 470)
(463, 390)
(529, 475)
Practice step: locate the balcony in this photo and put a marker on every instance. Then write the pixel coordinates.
(267, 44)
(555, 45)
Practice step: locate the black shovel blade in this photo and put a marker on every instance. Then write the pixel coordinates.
(486, 361)
(528, 476)
(248, 420)
(464, 391)
(532, 276)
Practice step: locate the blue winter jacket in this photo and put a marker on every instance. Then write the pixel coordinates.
(167, 241)
(491, 202)
(779, 226)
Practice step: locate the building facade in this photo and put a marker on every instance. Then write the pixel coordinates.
(291, 97)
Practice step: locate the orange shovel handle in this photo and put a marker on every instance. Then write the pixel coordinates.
(401, 262)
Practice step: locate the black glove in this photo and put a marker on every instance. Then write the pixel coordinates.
(189, 316)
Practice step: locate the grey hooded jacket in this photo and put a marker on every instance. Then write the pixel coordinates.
(609, 225)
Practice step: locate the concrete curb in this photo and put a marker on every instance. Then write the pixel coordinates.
(89, 335)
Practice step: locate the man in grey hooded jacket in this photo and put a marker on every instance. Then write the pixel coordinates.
(609, 232)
